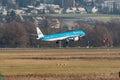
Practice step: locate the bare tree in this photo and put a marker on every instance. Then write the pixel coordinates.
(14, 35)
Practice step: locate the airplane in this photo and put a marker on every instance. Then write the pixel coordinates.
(71, 35)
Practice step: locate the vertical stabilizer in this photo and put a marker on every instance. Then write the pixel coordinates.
(39, 33)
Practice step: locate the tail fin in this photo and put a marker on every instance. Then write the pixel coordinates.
(39, 33)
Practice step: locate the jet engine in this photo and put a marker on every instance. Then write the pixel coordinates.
(76, 38)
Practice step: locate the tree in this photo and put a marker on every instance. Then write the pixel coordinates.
(114, 28)
(14, 35)
(12, 17)
(30, 29)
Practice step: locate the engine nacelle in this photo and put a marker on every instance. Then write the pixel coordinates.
(76, 38)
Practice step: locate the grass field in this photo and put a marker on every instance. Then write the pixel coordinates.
(98, 17)
(78, 15)
(59, 64)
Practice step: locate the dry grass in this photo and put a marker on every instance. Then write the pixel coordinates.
(63, 77)
(59, 64)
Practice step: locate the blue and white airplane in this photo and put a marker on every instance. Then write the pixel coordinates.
(71, 35)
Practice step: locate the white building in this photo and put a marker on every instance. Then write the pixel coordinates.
(94, 9)
(76, 10)
(58, 10)
(81, 10)
(3, 11)
(20, 11)
(45, 8)
(70, 10)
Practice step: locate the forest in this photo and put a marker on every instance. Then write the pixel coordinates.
(100, 34)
